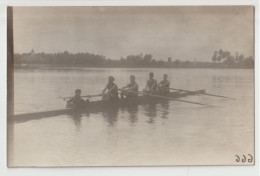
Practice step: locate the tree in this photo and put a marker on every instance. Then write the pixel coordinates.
(236, 57)
(66, 52)
(226, 54)
(176, 62)
(214, 57)
(229, 60)
(219, 58)
(221, 54)
(249, 62)
(147, 58)
(32, 52)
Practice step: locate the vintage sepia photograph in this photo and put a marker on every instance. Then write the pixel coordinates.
(130, 86)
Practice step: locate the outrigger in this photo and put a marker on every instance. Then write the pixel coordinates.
(101, 105)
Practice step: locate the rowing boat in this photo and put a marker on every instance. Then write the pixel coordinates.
(99, 106)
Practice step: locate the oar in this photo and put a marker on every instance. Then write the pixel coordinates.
(158, 96)
(84, 96)
(126, 90)
(204, 93)
(169, 98)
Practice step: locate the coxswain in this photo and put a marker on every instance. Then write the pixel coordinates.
(76, 101)
(110, 92)
(164, 85)
(131, 89)
(151, 84)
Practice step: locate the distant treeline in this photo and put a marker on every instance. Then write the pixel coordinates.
(225, 58)
(220, 59)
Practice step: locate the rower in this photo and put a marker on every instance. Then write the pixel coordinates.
(112, 90)
(151, 84)
(76, 101)
(164, 85)
(131, 89)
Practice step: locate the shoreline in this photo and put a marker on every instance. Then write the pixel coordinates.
(73, 66)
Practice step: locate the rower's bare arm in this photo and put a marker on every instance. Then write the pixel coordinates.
(146, 88)
(124, 87)
(133, 87)
(104, 90)
(164, 84)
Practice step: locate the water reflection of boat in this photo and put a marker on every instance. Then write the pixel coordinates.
(131, 112)
(103, 106)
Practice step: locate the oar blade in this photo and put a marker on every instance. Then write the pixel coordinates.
(204, 93)
(219, 96)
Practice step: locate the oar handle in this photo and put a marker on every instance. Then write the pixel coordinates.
(90, 96)
(139, 92)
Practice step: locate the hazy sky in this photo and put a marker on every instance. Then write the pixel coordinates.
(178, 32)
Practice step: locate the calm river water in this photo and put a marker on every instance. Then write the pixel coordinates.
(169, 133)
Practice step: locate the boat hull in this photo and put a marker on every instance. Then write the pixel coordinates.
(99, 106)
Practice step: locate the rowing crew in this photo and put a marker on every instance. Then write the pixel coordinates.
(110, 92)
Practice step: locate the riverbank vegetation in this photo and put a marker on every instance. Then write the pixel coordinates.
(220, 59)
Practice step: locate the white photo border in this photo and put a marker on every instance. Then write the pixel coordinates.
(114, 171)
